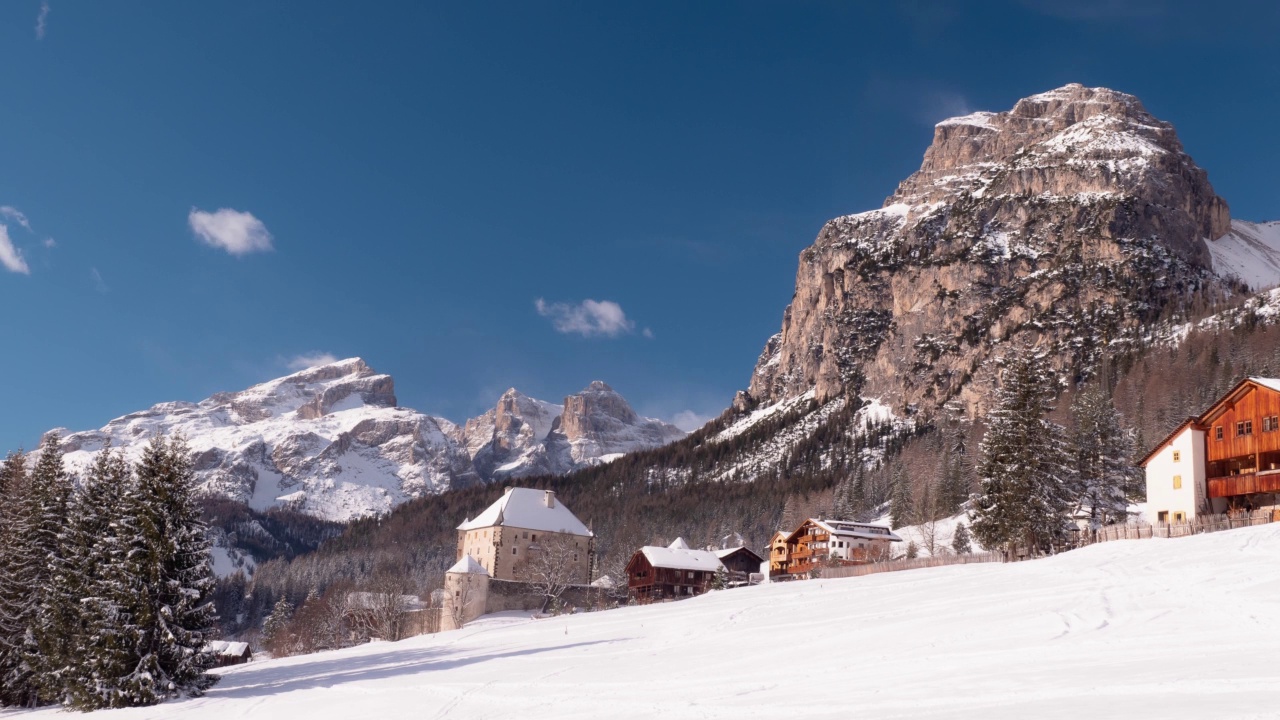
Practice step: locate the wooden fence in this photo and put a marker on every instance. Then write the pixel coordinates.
(912, 564)
(1195, 526)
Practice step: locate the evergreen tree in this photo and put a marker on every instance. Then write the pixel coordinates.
(953, 487)
(960, 541)
(1103, 450)
(159, 585)
(84, 639)
(913, 550)
(901, 510)
(1025, 471)
(720, 580)
(19, 570)
(276, 624)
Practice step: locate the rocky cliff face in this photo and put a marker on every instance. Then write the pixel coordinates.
(1063, 224)
(523, 436)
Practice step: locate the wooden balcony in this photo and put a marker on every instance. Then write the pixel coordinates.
(1267, 481)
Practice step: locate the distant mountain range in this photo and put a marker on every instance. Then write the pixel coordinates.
(332, 442)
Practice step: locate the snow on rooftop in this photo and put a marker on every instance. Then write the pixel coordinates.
(679, 544)
(1269, 383)
(681, 558)
(527, 508)
(468, 566)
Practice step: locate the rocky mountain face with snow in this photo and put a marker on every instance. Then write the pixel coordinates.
(523, 436)
(331, 441)
(1064, 224)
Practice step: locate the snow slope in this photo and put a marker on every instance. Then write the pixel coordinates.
(1250, 252)
(1184, 628)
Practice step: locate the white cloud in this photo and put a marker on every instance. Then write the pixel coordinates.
(588, 318)
(10, 256)
(239, 233)
(689, 420)
(50, 243)
(310, 360)
(10, 212)
(647, 333)
(42, 20)
(98, 283)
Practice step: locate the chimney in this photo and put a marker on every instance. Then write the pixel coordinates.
(549, 497)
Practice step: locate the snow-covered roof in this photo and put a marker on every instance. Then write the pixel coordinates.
(223, 647)
(863, 531)
(604, 581)
(527, 508)
(681, 558)
(469, 566)
(729, 551)
(1269, 383)
(679, 544)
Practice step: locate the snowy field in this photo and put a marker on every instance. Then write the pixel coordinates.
(1185, 628)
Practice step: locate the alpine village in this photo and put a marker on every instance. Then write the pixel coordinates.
(1035, 394)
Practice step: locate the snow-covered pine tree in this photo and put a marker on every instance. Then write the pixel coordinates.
(165, 561)
(960, 541)
(276, 623)
(19, 568)
(55, 645)
(901, 508)
(1025, 471)
(44, 514)
(1103, 452)
(86, 638)
(720, 581)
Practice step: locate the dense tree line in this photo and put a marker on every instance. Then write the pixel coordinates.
(104, 590)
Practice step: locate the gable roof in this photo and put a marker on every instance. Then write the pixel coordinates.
(674, 558)
(526, 508)
(850, 529)
(722, 554)
(1205, 419)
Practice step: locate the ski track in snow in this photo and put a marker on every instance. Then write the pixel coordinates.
(1184, 628)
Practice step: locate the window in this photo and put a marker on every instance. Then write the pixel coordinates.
(1217, 432)
(1177, 456)
(1162, 516)
(513, 551)
(1179, 516)
(534, 538)
(1244, 427)
(1271, 423)
(1177, 482)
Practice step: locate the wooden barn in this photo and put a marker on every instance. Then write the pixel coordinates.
(229, 653)
(670, 573)
(1227, 458)
(740, 562)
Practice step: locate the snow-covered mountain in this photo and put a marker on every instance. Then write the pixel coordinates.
(331, 441)
(1250, 253)
(523, 436)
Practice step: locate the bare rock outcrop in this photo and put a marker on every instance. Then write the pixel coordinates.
(1063, 224)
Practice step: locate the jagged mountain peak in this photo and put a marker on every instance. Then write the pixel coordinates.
(1064, 223)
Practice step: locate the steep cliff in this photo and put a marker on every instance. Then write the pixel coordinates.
(1065, 223)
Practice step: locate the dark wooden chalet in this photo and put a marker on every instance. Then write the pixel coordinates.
(670, 573)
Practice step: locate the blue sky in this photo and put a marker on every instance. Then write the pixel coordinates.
(405, 181)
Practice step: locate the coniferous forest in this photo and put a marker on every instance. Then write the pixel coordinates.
(105, 588)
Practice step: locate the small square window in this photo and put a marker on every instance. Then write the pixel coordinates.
(1177, 482)
(1244, 427)
(1177, 456)
(1217, 432)
(1179, 517)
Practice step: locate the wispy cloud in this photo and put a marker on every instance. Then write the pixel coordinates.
(310, 360)
(588, 318)
(42, 20)
(10, 212)
(10, 256)
(239, 233)
(647, 333)
(50, 242)
(98, 283)
(688, 420)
